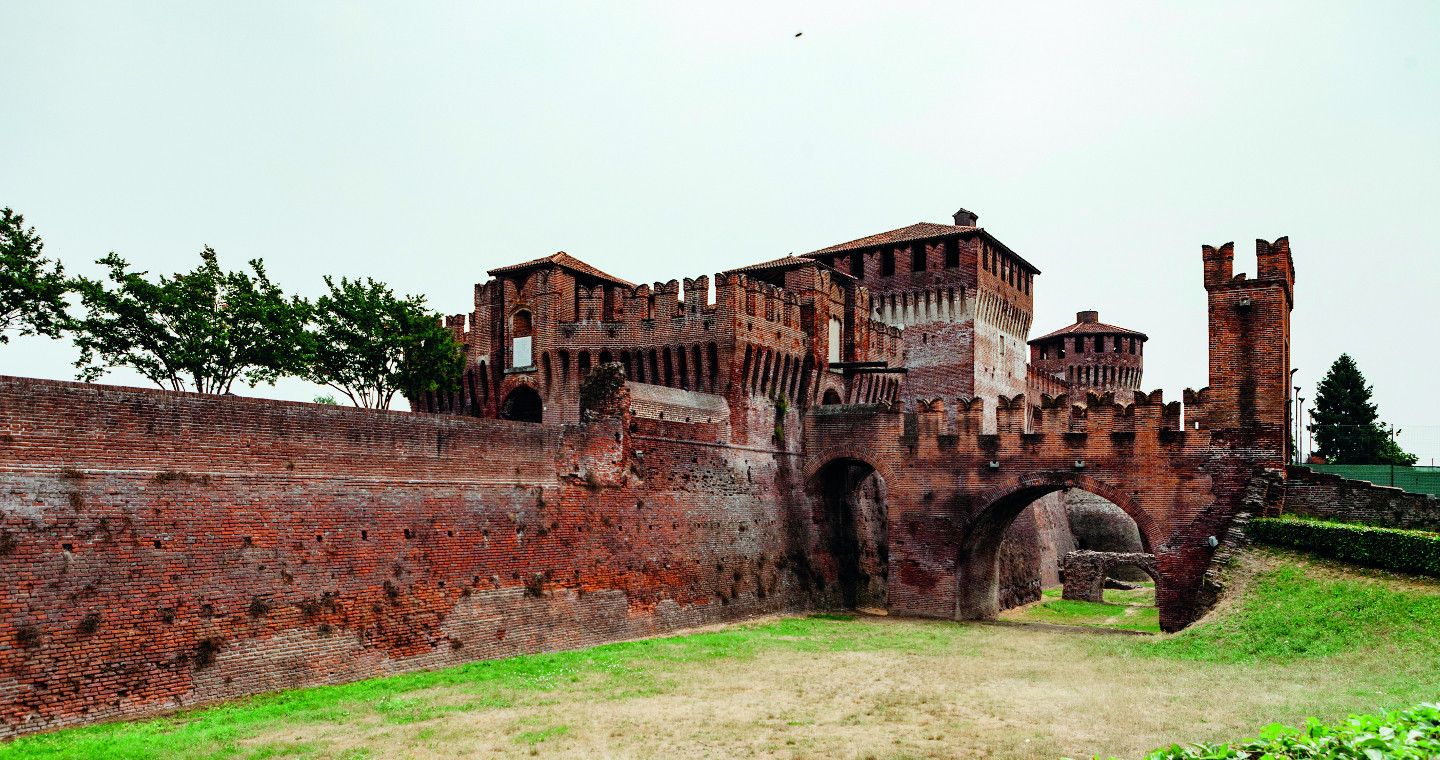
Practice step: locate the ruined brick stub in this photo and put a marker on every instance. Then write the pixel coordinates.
(1086, 571)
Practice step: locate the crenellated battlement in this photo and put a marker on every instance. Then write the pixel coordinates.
(1015, 419)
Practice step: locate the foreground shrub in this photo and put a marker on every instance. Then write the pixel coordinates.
(1408, 551)
(1402, 735)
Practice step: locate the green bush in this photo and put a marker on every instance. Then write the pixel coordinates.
(1408, 551)
(1401, 735)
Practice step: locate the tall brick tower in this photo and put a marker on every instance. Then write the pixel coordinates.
(1250, 348)
(963, 298)
(1092, 356)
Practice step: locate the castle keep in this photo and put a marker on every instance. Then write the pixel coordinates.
(867, 425)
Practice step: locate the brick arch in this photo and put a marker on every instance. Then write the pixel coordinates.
(1038, 482)
(977, 557)
(819, 460)
(521, 381)
(1085, 572)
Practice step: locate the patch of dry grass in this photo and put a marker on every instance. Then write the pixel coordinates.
(868, 687)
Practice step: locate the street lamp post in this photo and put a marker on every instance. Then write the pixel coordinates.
(1299, 425)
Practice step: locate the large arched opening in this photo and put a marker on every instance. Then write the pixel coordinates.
(522, 405)
(979, 570)
(851, 531)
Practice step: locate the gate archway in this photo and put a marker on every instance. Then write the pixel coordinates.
(851, 524)
(978, 558)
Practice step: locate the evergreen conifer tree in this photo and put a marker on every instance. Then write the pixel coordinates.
(1346, 424)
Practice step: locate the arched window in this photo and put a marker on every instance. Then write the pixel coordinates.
(831, 398)
(582, 364)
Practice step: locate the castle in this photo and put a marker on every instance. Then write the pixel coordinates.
(924, 312)
(864, 426)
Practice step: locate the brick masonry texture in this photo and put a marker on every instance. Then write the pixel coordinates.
(168, 549)
(1085, 572)
(229, 546)
(1331, 497)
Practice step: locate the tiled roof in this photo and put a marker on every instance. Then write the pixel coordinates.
(920, 231)
(564, 261)
(785, 262)
(1090, 328)
(917, 231)
(788, 262)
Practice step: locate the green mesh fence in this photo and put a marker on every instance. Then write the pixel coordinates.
(1412, 479)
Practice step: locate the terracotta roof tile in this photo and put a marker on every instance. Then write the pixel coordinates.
(1090, 328)
(564, 261)
(920, 231)
(783, 262)
(917, 231)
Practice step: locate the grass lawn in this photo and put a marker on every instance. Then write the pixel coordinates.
(1301, 638)
(1134, 610)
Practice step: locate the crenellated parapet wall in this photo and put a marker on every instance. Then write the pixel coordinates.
(959, 472)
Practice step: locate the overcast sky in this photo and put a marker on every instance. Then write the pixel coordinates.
(424, 143)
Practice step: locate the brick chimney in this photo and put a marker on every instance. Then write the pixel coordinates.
(965, 218)
(1087, 316)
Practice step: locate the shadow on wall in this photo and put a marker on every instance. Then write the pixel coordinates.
(852, 533)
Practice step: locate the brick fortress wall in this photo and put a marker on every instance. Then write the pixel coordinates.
(167, 549)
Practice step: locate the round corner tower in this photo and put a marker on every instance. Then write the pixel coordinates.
(1091, 356)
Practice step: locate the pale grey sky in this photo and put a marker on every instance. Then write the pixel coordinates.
(423, 143)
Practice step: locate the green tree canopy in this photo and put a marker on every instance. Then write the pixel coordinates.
(1346, 424)
(32, 288)
(199, 330)
(370, 344)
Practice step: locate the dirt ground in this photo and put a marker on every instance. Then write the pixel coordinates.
(972, 691)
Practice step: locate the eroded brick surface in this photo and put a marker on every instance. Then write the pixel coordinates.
(167, 549)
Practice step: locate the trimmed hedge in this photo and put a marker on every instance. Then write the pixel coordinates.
(1407, 551)
(1412, 734)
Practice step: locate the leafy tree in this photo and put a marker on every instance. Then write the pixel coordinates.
(32, 292)
(370, 344)
(199, 330)
(1346, 424)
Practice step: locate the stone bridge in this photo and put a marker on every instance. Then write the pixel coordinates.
(954, 482)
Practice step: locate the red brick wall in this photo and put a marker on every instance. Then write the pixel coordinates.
(227, 546)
